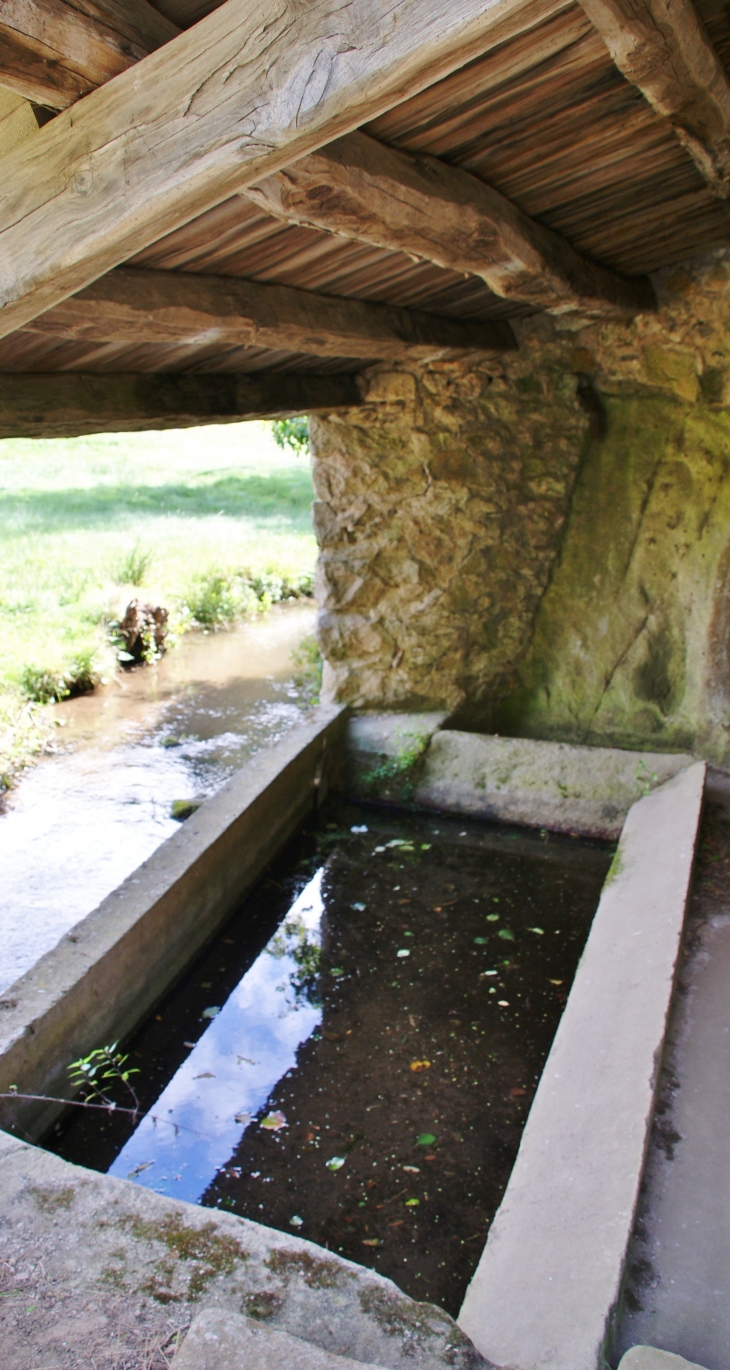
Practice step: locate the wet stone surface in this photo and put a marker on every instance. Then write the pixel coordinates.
(353, 1060)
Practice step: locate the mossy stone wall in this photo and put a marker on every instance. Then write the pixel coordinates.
(542, 545)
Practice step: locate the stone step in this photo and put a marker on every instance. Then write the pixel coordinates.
(221, 1340)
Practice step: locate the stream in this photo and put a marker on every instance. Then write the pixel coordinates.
(84, 818)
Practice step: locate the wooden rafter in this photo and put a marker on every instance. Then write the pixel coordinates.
(661, 46)
(223, 105)
(67, 405)
(174, 309)
(361, 189)
(55, 51)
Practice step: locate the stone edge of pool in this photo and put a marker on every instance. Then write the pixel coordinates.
(549, 1281)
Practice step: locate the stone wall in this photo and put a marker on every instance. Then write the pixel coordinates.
(542, 544)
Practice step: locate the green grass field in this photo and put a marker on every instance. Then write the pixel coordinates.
(213, 523)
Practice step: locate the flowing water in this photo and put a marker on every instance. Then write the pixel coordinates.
(353, 1058)
(83, 819)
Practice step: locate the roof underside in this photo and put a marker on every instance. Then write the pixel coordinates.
(546, 118)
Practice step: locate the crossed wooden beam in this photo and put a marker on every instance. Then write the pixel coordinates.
(265, 100)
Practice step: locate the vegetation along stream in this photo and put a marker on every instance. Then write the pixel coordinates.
(354, 1057)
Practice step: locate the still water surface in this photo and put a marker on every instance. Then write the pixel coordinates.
(354, 1056)
(82, 820)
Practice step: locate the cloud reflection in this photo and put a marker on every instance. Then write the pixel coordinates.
(233, 1068)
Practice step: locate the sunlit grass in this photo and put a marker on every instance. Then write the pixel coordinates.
(215, 518)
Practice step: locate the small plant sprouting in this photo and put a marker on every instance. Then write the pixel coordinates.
(132, 569)
(97, 1073)
(645, 779)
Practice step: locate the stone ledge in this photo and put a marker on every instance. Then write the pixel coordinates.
(649, 1358)
(114, 1267)
(220, 1340)
(553, 785)
(547, 1287)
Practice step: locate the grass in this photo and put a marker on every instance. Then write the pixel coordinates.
(212, 523)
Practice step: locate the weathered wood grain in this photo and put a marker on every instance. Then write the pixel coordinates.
(55, 51)
(223, 105)
(181, 309)
(662, 47)
(69, 405)
(361, 189)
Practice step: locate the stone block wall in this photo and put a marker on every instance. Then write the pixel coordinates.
(541, 544)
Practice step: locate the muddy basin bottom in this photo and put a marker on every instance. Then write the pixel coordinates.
(423, 964)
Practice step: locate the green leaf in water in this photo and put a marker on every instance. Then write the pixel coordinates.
(335, 1163)
(481, 941)
(540, 931)
(211, 1012)
(506, 934)
(426, 1139)
(273, 1121)
(412, 1203)
(492, 917)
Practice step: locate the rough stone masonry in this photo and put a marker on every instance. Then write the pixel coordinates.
(540, 544)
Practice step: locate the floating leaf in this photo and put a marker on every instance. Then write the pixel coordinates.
(378, 849)
(296, 1221)
(242, 1117)
(492, 917)
(420, 1065)
(359, 827)
(359, 908)
(404, 951)
(480, 941)
(503, 1003)
(425, 846)
(412, 1169)
(556, 982)
(426, 1139)
(211, 1012)
(540, 931)
(412, 1203)
(137, 1170)
(371, 1241)
(273, 1121)
(506, 934)
(205, 1075)
(337, 971)
(335, 1163)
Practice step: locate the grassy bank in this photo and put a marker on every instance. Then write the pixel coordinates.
(213, 523)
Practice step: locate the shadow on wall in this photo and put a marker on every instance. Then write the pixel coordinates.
(631, 642)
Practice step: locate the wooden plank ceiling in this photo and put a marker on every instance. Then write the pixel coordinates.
(545, 118)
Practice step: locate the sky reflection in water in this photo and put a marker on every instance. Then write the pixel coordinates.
(231, 1071)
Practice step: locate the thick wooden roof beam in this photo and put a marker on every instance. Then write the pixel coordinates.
(178, 309)
(661, 46)
(55, 51)
(361, 189)
(63, 404)
(241, 94)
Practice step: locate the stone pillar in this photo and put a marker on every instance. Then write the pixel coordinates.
(440, 507)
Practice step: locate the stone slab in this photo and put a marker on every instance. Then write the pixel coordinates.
(220, 1340)
(100, 1272)
(648, 1358)
(97, 982)
(385, 753)
(553, 785)
(545, 1293)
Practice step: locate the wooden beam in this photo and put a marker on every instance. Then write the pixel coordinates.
(54, 51)
(661, 46)
(361, 189)
(67, 404)
(236, 97)
(178, 309)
